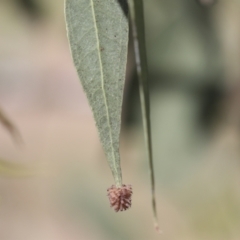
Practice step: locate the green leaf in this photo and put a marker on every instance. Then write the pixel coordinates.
(137, 23)
(98, 36)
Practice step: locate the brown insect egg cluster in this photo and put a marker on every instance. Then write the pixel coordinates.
(120, 198)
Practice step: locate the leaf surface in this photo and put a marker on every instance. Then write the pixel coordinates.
(98, 36)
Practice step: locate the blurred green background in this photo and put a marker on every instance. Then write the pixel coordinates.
(194, 65)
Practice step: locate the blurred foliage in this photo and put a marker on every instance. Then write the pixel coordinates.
(188, 53)
(31, 7)
(7, 168)
(10, 127)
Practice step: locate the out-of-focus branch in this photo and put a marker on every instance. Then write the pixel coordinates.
(207, 2)
(11, 128)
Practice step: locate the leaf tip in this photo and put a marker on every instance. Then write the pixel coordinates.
(157, 228)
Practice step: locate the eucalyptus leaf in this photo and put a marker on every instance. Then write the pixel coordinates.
(98, 36)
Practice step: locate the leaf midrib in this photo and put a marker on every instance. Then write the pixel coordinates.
(102, 79)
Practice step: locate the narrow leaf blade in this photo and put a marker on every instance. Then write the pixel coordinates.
(138, 30)
(98, 36)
